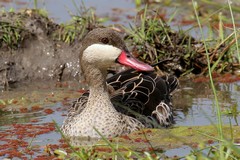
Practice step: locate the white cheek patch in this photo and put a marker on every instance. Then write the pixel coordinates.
(97, 53)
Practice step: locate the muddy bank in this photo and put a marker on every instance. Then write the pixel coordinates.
(30, 49)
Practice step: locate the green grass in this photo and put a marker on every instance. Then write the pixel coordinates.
(210, 73)
(13, 30)
(235, 30)
(10, 36)
(154, 41)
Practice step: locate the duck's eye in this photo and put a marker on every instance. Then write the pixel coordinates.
(105, 40)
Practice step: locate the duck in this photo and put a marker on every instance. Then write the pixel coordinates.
(126, 102)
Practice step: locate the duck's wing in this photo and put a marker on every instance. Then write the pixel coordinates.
(132, 90)
(147, 94)
(172, 82)
(162, 92)
(118, 80)
(159, 107)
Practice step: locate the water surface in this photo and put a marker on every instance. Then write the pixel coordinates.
(194, 106)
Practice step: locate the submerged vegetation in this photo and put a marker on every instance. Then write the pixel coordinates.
(154, 41)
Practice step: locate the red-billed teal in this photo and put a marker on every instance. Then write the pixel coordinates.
(115, 106)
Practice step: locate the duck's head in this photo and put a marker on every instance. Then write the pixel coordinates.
(102, 47)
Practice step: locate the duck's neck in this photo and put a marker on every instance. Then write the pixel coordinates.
(99, 95)
(95, 77)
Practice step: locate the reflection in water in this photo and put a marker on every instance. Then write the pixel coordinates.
(195, 103)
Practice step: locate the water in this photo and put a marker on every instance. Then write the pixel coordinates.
(193, 101)
(197, 105)
(62, 10)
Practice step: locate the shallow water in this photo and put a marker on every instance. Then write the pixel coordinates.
(193, 102)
